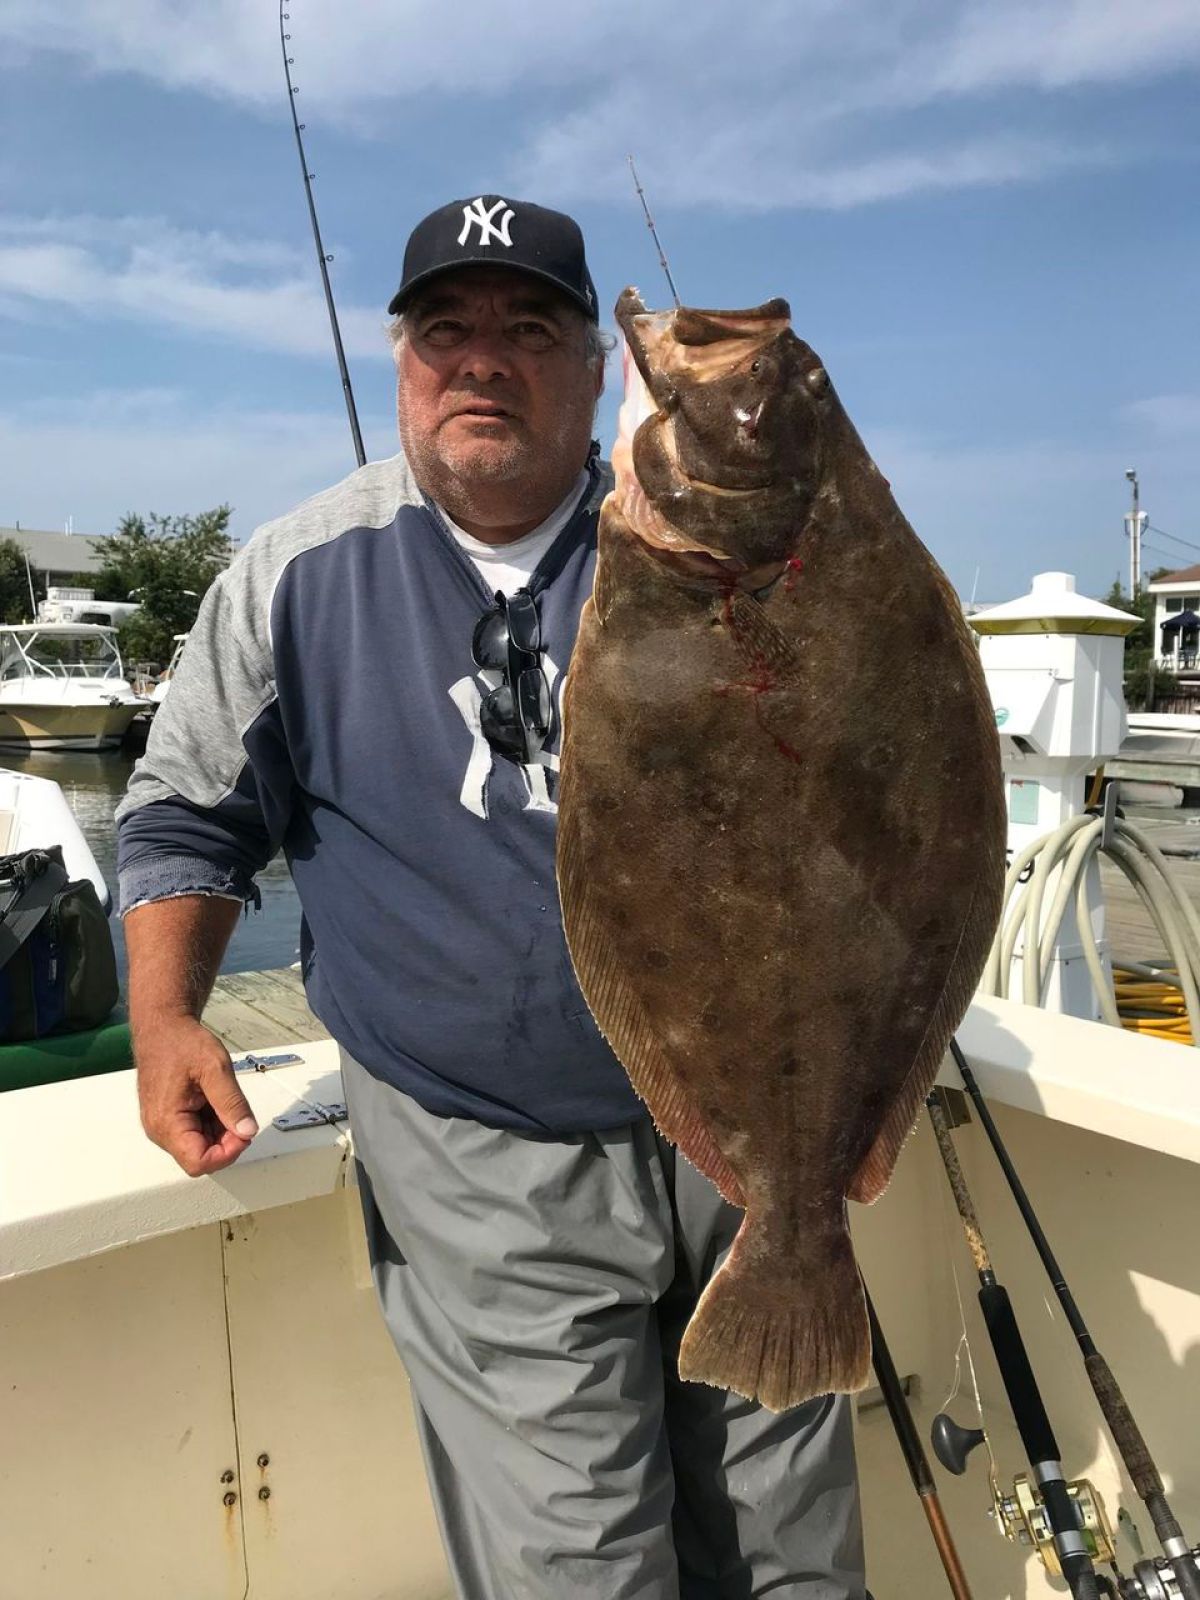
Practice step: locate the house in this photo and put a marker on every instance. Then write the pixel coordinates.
(56, 556)
(1177, 619)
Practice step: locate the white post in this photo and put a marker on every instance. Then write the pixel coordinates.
(1053, 661)
(1133, 522)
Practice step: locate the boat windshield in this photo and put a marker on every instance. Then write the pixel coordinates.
(59, 655)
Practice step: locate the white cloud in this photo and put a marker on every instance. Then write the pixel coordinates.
(785, 103)
(1172, 416)
(780, 161)
(256, 293)
(389, 48)
(110, 452)
(1027, 42)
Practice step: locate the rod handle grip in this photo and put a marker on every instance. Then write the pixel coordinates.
(1020, 1384)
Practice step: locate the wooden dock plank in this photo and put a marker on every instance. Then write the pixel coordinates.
(1130, 928)
(249, 1010)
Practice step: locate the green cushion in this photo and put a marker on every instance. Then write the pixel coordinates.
(68, 1055)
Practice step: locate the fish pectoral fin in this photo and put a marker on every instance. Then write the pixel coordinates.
(758, 641)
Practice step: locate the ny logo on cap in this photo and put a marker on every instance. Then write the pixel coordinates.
(477, 215)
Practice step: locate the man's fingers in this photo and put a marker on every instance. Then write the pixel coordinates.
(221, 1090)
(198, 1154)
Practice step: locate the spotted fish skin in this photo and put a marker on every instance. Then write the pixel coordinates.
(781, 821)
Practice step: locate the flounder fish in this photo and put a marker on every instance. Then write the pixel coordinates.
(781, 825)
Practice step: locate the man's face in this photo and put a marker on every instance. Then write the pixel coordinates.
(495, 394)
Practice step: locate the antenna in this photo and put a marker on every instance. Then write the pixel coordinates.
(322, 258)
(654, 234)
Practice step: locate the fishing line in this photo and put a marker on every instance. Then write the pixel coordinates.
(322, 259)
(964, 1343)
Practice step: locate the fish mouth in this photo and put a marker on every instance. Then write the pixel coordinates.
(707, 571)
(719, 488)
(685, 347)
(694, 344)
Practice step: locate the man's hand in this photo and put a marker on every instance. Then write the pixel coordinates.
(192, 1105)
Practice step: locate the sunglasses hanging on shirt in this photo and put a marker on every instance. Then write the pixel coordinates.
(517, 716)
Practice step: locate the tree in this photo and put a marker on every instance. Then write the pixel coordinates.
(1145, 684)
(14, 583)
(167, 564)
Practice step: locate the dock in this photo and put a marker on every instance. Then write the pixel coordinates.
(251, 1010)
(1131, 932)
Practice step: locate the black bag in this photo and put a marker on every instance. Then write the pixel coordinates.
(58, 968)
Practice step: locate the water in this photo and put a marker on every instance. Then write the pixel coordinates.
(93, 784)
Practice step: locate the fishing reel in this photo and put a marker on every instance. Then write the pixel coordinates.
(1022, 1519)
(1154, 1580)
(1021, 1515)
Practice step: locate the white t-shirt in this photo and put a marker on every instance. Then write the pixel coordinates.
(508, 566)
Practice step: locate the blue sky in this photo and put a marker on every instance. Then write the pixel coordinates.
(984, 215)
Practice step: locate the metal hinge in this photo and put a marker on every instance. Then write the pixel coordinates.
(312, 1114)
(954, 1103)
(265, 1063)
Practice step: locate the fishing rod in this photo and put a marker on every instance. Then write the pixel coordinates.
(322, 259)
(662, 258)
(914, 1455)
(952, 1445)
(1182, 1562)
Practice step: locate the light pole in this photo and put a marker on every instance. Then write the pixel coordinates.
(1135, 521)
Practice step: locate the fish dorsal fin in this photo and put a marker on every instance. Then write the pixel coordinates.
(600, 967)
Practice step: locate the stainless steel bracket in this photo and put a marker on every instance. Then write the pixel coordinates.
(265, 1063)
(311, 1114)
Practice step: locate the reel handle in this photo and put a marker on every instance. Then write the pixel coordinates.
(952, 1444)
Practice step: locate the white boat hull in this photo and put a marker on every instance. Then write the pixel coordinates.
(65, 727)
(34, 814)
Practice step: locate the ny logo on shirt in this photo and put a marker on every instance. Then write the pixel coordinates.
(468, 697)
(477, 215)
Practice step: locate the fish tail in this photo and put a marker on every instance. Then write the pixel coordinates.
(776, 1336)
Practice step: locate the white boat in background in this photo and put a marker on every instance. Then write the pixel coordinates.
(159, 693)
(63, 687)
(35, 814)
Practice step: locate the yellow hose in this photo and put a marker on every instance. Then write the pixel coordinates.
(1152, 1007)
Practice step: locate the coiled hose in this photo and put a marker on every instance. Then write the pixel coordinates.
(1163, 1000)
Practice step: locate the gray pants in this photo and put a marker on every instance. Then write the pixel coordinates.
(537, 1289)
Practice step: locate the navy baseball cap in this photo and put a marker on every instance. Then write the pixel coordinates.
(491, 231)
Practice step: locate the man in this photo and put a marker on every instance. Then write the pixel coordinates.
(356, 693)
